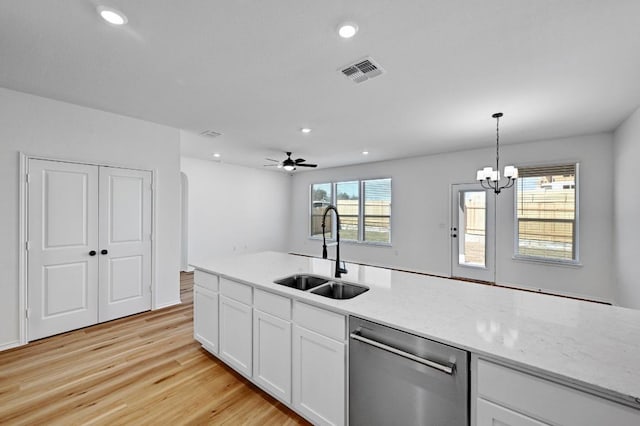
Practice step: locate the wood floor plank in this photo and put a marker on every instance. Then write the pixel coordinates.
(143, 369)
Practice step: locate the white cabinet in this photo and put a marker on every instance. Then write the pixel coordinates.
(508, 396)
(293, 350)
(205, 318)
(272, 354)
(205, 310)
(319, 379)
(236, 334)
(492, 414)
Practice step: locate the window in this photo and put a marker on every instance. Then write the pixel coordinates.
(377, 210)
(348, 204)
(547, 213)
(321, 197)
(364, 207)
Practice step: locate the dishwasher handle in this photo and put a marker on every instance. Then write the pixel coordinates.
(448, 369)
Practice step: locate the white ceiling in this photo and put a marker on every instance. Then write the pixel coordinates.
(258, 71)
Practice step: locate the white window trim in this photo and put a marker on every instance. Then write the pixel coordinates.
(334, 195)
(575, 262)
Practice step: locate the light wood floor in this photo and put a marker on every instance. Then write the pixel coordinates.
(143, 369)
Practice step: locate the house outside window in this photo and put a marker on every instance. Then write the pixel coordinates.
(364, 207)
(321, 198)
(547, 213)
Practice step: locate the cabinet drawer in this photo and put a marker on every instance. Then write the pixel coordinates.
(319, 320)
(548, 401)
(236, 291)
(206, 280)
(273, 304)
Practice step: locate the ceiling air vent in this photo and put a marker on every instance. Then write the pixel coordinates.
(363, 70)
(210, 133)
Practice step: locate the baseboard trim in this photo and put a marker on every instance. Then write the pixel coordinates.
(10, 345)
(166, 305)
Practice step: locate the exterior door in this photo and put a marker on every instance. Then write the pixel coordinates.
(472, 232)
(125, 242)
(62, 290)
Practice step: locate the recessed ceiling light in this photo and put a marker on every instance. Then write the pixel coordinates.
(365, 152)
(347, 30)
(305, 130)
(217, 155)
(112, 16)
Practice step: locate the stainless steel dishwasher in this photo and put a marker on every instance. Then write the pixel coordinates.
(396, 378)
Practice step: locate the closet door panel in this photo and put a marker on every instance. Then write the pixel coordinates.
(125, 242)
(62, 276)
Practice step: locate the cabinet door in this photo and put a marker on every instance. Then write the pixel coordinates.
(489, 414)
(205, 318)
(235, 334)
(272, 354)
(318, 377)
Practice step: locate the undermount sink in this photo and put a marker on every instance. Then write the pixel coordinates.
(340, 290)
(302, 281)
(322, 286)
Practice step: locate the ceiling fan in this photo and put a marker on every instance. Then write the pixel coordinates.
(289, 164)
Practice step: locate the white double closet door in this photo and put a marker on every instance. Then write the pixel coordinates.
(89, 245)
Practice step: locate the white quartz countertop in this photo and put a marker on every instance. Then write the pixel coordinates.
(590, 344)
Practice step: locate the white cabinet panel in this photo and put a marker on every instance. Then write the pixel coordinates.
(272, 354)
(205, 318)
(206, 280)
(320, 320)
(318, 377)
(236, 334)
(549, 401)
(494, 415)
(236, 291)
(273, 304)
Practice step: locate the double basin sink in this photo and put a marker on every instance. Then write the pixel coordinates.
(322, 286)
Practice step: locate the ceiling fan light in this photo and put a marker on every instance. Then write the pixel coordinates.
(289, 168)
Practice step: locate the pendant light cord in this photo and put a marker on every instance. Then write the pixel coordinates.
(498, 144)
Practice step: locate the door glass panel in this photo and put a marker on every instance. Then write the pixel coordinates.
(472, 226)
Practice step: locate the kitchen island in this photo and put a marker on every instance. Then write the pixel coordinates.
(587, 346)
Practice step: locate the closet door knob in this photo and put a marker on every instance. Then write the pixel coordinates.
(92, 253)
(104, 251)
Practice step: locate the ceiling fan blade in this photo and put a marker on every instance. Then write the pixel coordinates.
(269, 165)
(300, 160)
(271, 159)
(307, 165)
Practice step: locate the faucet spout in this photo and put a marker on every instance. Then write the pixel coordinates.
(338, 270)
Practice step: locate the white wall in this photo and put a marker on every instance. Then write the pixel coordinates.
(421, 214)
(627, 211)
(44, 127)
(234, 209)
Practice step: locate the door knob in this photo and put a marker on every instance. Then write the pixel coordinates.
(104, 251)
(92, 253)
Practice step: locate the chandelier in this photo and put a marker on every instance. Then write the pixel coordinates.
(489, 178)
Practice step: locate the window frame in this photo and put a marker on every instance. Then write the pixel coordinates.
(334, 196)
(576, 222)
